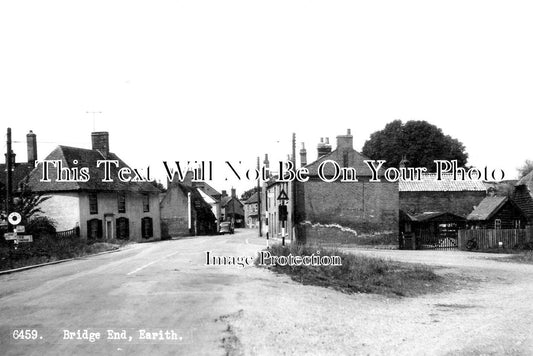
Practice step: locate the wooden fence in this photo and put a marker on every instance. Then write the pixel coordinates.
(490, 238)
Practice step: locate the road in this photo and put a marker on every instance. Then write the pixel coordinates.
(152, 286)
(230, 310)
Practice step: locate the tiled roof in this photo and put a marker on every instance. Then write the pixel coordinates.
(487, 207)
(252, 199)
(85, 158)
(429, 183)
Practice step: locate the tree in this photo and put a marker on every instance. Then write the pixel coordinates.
(418, 141)
(525, 169)
(247, 194)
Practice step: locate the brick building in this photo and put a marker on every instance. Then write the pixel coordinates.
(251, 213)
(185, 212)
(345, 212)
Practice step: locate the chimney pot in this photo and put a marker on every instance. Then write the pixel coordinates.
(345, 142)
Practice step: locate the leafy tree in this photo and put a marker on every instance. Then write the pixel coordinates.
(247, 194)
(418, 141)
(525, 169)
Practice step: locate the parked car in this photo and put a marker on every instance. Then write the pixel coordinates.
(226, 227)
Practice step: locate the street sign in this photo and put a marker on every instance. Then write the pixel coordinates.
(20, 228)
(282, 195)
(10, 236)
(25, 238)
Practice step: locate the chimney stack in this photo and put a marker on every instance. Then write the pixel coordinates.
(303, 155)
(323, 148)
(101, 142)
(345, 142)
(267, 165)
(233, 193)
(31, 140)
(224, 193)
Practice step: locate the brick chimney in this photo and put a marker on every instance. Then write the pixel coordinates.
(31, 140)
(100, 142)
(266, 163)
(345, 141)
(224, 193)
(233, 193)
(303, 155)
(323, 147)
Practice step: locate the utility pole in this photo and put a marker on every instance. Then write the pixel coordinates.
(293, 192)
(259, 198)
(9, 174)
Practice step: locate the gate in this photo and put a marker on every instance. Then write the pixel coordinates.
(443, 237)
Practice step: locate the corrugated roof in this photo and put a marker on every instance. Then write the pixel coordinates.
(85, 158)
(429, 183)
(487, 207)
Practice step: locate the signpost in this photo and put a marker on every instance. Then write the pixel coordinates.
(282, 213)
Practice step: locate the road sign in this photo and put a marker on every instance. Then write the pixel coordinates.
(10, 236)
(25, 238)
(20, 228)
(14, 218)
(282, 195)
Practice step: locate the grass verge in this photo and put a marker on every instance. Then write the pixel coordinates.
(357, 273)
(49, 249)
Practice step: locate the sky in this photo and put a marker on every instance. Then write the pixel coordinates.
(232, 80)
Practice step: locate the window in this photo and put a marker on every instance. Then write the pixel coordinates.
(121, 197)
(146, 228)
(123, 228)
(94, 229)
(497, 224)
(93, 203)
(146, 202)
(517, 224)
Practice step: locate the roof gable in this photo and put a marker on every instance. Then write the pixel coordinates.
(487, 208)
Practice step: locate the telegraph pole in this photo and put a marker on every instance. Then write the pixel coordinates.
(259, 198)
(9, 174)
(293, 192)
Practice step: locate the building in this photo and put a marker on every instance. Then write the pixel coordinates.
(523, 196)
(497, 212)
(185, 212)
(251, 213)
(232, 209)
(430, 230)
(447, 195)
(214, 199)
(349, 212)
(99, 209)
(274, 226)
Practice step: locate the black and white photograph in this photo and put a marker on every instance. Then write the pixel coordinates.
(294, 177)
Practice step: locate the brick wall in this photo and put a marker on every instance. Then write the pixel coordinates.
(358, 208)
(459, 203)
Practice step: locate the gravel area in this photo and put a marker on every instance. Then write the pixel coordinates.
(486, 310)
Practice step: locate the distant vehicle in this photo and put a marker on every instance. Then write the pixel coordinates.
(226, 228)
